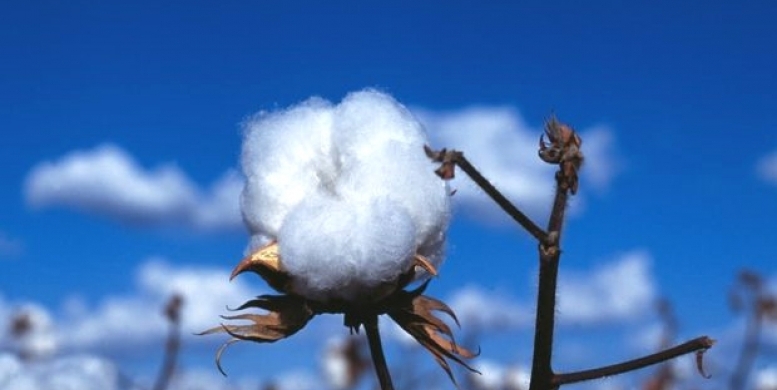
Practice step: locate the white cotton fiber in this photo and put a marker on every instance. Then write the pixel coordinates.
(284, 154)
(359, 245)
(347, 192)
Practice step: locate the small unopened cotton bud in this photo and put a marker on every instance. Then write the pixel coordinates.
(346, 191)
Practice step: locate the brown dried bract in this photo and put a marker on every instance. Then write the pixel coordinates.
(423, 263)
(447, 158)
(700, 362)
(286, 315)
(413, 312)
(265, 262)
(563, 149)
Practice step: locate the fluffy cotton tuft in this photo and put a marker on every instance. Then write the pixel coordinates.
(347, 192)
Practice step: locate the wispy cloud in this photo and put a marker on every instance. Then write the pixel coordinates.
(484, 311)
(622, 289)
(499, 142)
(86, 372)
(108, 181)
(766, 378)
(766, 168)
(137, 315)
(497, 376)
(75, 372)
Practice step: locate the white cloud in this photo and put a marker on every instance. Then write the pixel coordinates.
(220, 208)
(68, 373)
(209, 379)
(491, 375)
(499, 142)
(601, 163)
(620, 290)
(766, 378)
(108, 181)
(478, 310)
(648, 337)
(39, 339)
(484, 311)
(335, 364)
(84, 372)
(767, 168)
(137, 316)
(496, 376)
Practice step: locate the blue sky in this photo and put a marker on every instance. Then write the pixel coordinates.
(678, 101)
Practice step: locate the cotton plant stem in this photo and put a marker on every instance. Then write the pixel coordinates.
(550, 254)
(695, 345)
(747, 354)
(127, 382)
(542, 373)
(376, 350)
(500, 199)
(172, 347)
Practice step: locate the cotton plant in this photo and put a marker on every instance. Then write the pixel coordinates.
(346, 214)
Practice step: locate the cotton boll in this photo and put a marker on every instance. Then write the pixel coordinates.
(367, 119)
(348, 193)
(286, 156)
(403, 174)
(344, 250)
(381, 147)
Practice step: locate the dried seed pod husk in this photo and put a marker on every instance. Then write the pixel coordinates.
(265, 262)
(413, 312)
(286, 315)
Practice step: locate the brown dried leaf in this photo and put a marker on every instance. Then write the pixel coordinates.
(220, 352)
(562, 148)
(708, 343)
(414, 313)
(285, 316)
(447, 158)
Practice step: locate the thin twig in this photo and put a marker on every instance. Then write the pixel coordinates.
(376, 350)
(126, 382)
(500, 199)
(748, 353)
(451, 158)
(697, 344)
(173, 344)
